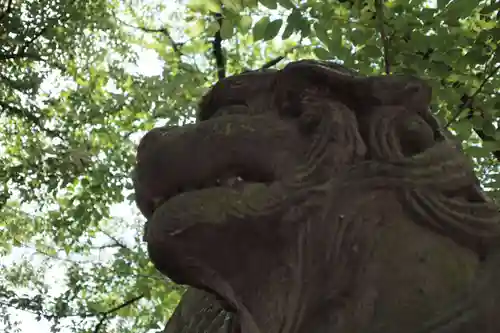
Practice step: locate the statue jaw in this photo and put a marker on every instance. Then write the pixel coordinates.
(243, 250)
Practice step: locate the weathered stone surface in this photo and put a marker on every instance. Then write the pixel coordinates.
(312, 199)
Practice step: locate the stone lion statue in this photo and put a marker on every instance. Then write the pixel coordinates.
(313, 200)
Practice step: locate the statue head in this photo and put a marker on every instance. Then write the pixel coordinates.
(310, 196)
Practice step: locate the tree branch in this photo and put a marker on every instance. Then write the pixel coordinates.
(276, 60)
(116, 241)
(57, 257)
(31, 56)
(35, 306)
(106, 314)
(28, 116)
(22, 53)
(175, 45)
(484, 137)
(11, 83)
(7, 10)
(37, 35)
(469, 100)
(379, 9)
(19, 55)
(31, 305)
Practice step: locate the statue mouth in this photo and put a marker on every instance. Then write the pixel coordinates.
(235, 182)
(202, 219)
(223, 156)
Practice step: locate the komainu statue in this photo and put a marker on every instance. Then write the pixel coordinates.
(315, 200)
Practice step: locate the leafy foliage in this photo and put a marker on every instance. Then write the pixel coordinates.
(81, 80)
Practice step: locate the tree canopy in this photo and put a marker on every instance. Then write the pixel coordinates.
(81, 81)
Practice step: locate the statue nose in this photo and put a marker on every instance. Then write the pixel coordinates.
(159, 133)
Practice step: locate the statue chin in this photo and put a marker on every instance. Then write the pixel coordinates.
(313, 199)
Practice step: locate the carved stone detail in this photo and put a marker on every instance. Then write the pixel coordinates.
(312, 199)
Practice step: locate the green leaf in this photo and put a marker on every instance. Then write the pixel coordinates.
(226, 29)
(245, 23)
(250, 3)
(286, 4)
(67, 248)
(463, 129)
(322, 54)
(305, 27)
(489, 129)
(234, 6)
(477, 122)
(463, 8)
(321, 34)
(196, 28)
(486, 25)
(442, 3)
(259, 28)
(477, 151)
(335, 42)
(272, 29)
(212, 5)
(491, 146)
(295, 19)
(289, 30)
(371, 51)
(205, 5)
(271, 4)
(212, 28)
(131, 197)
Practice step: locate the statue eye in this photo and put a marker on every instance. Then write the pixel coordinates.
(235, 83)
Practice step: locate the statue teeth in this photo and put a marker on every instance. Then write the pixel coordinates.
(232, 181)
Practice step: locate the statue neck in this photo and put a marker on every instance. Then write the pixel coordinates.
(286, 279)
(279, 305)
(280, 299)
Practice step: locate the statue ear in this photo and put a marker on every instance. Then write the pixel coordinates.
(236, 90)
(336, 78)
(338, 82)
(357, 92)
(305, 89)
(326, 70)
(401, 90)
